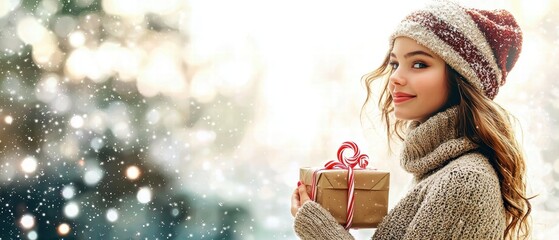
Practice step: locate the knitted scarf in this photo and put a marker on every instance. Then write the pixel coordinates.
(430, 145)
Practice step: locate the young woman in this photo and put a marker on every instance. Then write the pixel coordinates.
(445, 66)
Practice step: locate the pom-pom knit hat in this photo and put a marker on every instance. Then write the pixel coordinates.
(481, 45)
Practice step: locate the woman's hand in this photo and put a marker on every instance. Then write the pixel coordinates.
(299, 197)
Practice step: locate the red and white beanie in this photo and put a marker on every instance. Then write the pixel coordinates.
(481, 45)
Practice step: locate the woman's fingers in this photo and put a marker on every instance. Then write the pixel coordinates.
(295, 202)
(298, 198)
(303, 195)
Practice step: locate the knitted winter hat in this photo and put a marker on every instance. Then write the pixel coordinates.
(481, 45)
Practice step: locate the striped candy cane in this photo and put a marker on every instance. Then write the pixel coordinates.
(348, 163)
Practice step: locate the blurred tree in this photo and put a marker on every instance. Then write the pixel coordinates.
(67, 140)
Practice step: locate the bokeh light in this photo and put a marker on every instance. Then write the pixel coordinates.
(29, 164)
(133, 172)
(32, 235)
(77, 39)
(68, 192)
(92, 176)
(144, 195)
(112, 215)
(8, 120)
(63, 229)
(76, 122)
(30, 31)
(71, 210)
(27, 221)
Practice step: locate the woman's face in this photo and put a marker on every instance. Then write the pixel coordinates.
(418, 83)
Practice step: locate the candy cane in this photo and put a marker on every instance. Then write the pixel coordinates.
(348, 163)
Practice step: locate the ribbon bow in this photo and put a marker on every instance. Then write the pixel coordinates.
(348, 163)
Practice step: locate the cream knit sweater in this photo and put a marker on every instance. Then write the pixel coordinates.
(456, 194)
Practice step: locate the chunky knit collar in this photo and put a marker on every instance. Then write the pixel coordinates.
(433, 143)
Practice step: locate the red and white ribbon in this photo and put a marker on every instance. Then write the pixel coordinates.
(348, 163)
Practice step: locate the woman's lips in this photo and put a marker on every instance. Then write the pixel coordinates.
(399, 97)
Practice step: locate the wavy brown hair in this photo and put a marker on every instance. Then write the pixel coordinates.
(483, 122)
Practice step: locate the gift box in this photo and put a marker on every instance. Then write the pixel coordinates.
(370, 194)
(355, 195)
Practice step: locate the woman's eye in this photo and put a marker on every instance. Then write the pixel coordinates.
(393, 65)
(419, 65)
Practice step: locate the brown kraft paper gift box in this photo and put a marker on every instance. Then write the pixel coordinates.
(370, 198)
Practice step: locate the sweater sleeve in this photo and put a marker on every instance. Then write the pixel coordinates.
(314, 222)
(465, 204)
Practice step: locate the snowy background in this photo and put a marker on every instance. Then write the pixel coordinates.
(147, 119)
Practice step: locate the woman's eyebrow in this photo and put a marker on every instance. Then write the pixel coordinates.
(410, 54)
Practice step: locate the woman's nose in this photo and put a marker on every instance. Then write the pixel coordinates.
(397, 77)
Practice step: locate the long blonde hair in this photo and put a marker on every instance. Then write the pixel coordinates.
(483, 122)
